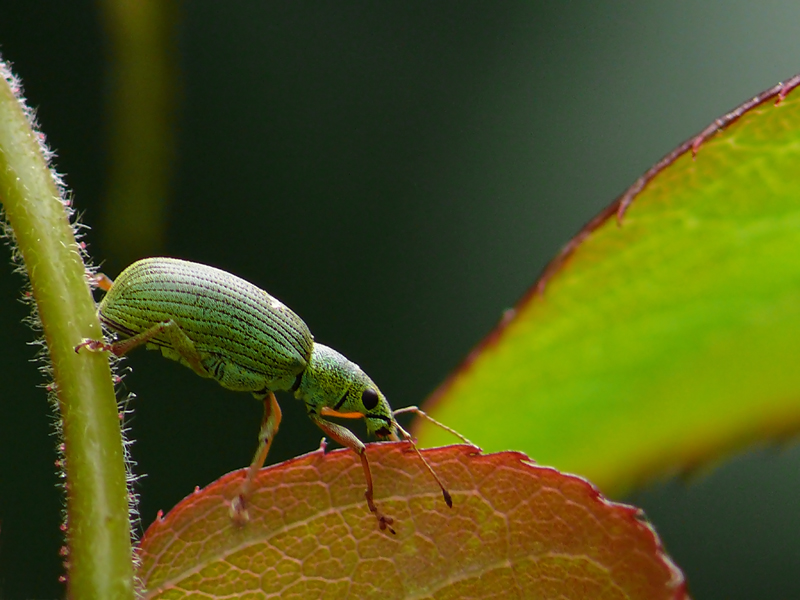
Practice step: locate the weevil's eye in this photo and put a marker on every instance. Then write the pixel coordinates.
(369, 398)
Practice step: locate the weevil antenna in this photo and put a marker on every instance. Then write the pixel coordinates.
(448, 500)
(422, 413)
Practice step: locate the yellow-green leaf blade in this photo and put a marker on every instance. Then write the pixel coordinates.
(665, 340)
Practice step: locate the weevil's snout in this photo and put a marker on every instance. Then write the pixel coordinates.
(390, 437)
(333, 382)
(380, 424)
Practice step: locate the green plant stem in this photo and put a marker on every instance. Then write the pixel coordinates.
(99, 564)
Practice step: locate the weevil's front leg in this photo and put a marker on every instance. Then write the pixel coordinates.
(348, 439)
(269, 427)
(170, 330)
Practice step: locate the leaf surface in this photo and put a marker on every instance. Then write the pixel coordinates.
(516, 530)
(666, 333)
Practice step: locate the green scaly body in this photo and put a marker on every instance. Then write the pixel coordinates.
(242, 336)
(249, 340)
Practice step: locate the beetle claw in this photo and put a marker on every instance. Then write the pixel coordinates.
(238, 511)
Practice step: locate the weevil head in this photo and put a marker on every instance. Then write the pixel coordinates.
(332, 381)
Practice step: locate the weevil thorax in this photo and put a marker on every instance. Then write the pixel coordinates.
(331, 380)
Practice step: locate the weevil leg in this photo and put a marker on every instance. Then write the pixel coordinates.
(347, 438)
(170, 330)
(269, 427)
(102, 281)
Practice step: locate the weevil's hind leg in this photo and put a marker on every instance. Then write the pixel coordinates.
(347, 438)
(170, 330)
(269, 427)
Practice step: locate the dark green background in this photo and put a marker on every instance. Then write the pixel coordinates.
(398, 173)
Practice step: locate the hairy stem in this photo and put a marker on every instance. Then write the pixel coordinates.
(99, 563)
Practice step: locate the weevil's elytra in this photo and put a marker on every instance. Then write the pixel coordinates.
(248, 340)
(225, 328)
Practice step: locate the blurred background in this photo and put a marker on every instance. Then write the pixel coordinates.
(398, 173)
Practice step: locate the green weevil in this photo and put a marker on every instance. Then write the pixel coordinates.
(225, 328)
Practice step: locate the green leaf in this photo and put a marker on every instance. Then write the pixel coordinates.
(664, 336)
(515, 530)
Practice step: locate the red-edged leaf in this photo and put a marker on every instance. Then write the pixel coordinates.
(516, 530)
(665, 334)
